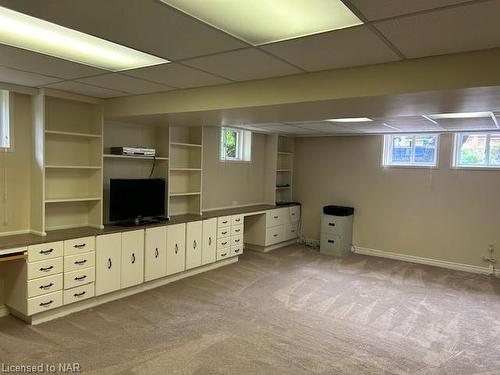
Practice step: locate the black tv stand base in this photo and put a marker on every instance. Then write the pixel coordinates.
(143, 221)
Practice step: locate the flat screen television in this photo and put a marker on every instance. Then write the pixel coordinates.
(136, 200)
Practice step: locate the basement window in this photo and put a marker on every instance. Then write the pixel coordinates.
(477, 150)
(411, 150)
(4, 119)
(235, 145)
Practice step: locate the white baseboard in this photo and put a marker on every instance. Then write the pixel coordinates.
(3, 311)
(426, 261)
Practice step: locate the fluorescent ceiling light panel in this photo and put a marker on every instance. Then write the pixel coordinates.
(265, 21)
(351, 119)
(26, 32)
(460, 115)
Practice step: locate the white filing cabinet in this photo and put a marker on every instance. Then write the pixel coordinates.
(336, 230)
(229, 236)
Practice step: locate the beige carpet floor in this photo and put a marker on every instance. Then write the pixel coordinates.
(292, 311)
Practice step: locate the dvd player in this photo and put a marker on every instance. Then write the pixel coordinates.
(133, 151)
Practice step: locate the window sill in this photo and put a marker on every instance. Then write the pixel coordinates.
(475, 168)
(234, 161)
(411, 166)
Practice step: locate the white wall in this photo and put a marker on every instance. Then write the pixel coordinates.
(227, 183)
(443, 213)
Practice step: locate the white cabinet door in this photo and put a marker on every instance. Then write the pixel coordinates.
(132, 258)
(108, 263)
(209, 243)
(155, 254)
(193, 244)
(176, 248)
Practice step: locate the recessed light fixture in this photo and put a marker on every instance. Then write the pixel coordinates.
(460, 115)
(27, 32)
(351, 119)
(265, 21)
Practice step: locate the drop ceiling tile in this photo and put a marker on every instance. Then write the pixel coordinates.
(42, 64)
(451, 30)
(375, 10)
(19, 77)
(146, 25)
(369, 127)
(412, 124)
(467, 124)
(120, 82)
(84, 89)
(292, 129)
(243, 65)
(353, 46)
(176, 75)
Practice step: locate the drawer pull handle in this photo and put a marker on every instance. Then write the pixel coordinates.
(331, 241)
(276, 217)
(81, 246)
(45, 304)
(194, 244)
(133, 258)
(238, 240)
(238, 220)
(331, 224)
(46, 252)
(223, 255)
(46, 269)
(275, 235)
(293, 213)
(237, 230)
(46, 286)
(79, 294)
(157, 253)
(80, 262)
(176, 248)
(224, 222)
(80, 278)
(237, 251)
(209, 241)
(224, 232)
(224, 243)
(110, 264)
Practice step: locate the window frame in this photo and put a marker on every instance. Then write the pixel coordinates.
(6, 103)
(457, 148)
(388, 147)
(243, 145)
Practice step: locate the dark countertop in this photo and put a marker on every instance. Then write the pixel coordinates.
(23, 240)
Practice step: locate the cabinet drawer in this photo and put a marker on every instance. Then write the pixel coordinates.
(79, 293)
(274, 217)
(223, 242)
(79, 277)
(336, 224)
(237, 230)
(293, 214)
(45, 268)
(223, 232)
(334, 245)
(223, 221)
(236, 240)
(237, 220)
(274, 235)
(45, 251)
(46, 302)
(290, 231)
(223, 253)
(79, 261)
(44, 285)
(236, 250)
(79, 245)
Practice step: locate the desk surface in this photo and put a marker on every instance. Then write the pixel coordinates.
(23, 240)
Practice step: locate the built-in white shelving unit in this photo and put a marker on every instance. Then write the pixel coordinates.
(185, 174)
(67, 162)
(284, 169)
